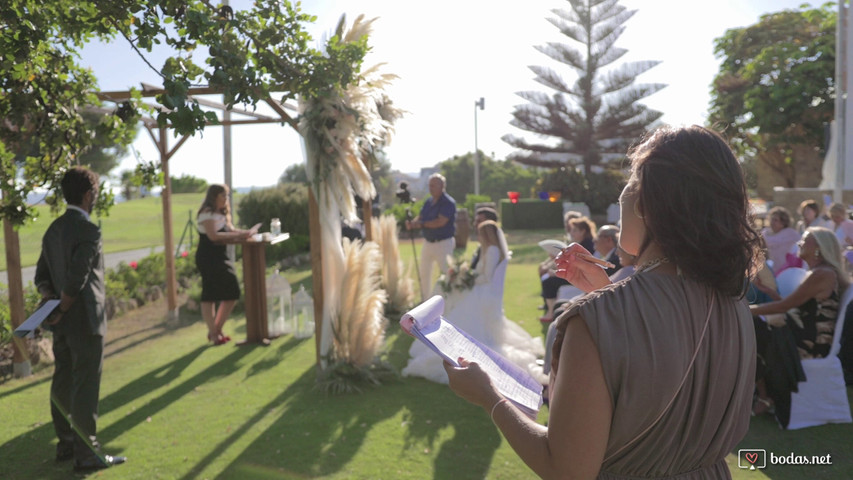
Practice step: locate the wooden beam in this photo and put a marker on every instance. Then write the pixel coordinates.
(316, 268)
(241, 111)
(176, 147)
(280, 110)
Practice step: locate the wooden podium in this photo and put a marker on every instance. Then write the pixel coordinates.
(255, 286)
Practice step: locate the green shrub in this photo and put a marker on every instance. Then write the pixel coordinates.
(5, 319)
(289, 203)
(133, 280)
(188, 184)
(569, 181)
(530, 214)
(32, 299)
(399, 210)
(471, 202)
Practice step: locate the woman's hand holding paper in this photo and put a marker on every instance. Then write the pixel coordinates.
(470, 382)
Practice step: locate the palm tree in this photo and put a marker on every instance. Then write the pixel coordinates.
(598, 116)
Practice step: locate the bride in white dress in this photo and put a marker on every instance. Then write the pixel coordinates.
(480, 313)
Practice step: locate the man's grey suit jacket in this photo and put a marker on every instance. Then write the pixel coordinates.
(72, 261)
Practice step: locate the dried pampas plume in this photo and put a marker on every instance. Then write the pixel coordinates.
(359, 326)
(395, 279)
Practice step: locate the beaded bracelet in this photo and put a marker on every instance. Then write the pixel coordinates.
(492, 414)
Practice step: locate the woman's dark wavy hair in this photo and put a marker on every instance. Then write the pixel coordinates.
(209, 202)
(694, 203)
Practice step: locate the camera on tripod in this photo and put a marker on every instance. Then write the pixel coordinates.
(403, 194)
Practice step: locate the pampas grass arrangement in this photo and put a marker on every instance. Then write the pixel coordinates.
(396, 280)
(358, 325)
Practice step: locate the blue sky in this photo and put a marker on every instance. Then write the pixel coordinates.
(448, 54)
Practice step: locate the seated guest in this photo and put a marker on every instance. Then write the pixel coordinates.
(779, 237)
(841, 224)
(579, 230)
(800, 325)
(810, 211)
(605, 247)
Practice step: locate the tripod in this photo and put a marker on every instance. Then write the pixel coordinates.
(414, 252)
(188, 232)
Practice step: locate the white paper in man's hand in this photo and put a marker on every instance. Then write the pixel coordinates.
(36, 318)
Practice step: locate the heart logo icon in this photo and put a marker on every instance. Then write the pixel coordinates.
(751, 457)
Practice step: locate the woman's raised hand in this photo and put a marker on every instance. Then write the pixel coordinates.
(582, 273)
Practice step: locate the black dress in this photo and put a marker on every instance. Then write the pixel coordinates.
(218, 277)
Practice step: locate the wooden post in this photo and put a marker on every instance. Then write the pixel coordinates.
(255, 292)
(168, 242)
(316, 267)
(367, 213)
(21, 358)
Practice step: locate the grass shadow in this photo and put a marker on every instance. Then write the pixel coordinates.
(159, 378)
(273, 360)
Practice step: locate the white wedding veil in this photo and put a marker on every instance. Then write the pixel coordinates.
(502, 244)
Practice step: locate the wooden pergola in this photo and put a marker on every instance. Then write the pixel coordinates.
(159, 135)
(160, 139)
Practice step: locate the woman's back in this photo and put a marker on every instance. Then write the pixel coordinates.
(645, 355)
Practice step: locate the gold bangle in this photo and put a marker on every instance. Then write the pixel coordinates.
(492, 414)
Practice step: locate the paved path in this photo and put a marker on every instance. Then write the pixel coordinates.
(110, 261)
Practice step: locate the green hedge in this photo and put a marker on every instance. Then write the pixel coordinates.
(529, 214)
(289, 203)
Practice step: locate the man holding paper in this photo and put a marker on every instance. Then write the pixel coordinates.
(71, 268)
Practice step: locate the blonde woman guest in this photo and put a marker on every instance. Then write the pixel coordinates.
(810, 312)
(841, 224)
(218, 277)
(811, 217)
(779, 236)
(652, 376)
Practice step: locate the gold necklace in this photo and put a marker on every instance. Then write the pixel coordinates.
(650, 265)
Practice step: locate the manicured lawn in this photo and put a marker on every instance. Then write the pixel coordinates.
(181, 409)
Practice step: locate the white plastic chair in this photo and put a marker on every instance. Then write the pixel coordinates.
(822, 398)
(789, 279)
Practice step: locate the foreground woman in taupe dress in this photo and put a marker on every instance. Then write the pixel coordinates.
(652, 376)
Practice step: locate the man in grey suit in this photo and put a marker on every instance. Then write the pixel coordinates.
(71, 268)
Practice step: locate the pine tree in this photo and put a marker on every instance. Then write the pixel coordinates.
(599, 115)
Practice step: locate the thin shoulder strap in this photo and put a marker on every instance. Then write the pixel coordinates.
(677, 390)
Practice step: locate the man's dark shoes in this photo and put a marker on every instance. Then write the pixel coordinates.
(97, 463)
(64, 452)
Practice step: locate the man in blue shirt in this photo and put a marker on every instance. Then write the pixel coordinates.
(438, 221)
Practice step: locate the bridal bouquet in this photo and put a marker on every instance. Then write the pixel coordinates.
(460, 276)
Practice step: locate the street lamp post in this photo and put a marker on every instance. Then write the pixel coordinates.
(482, 104)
